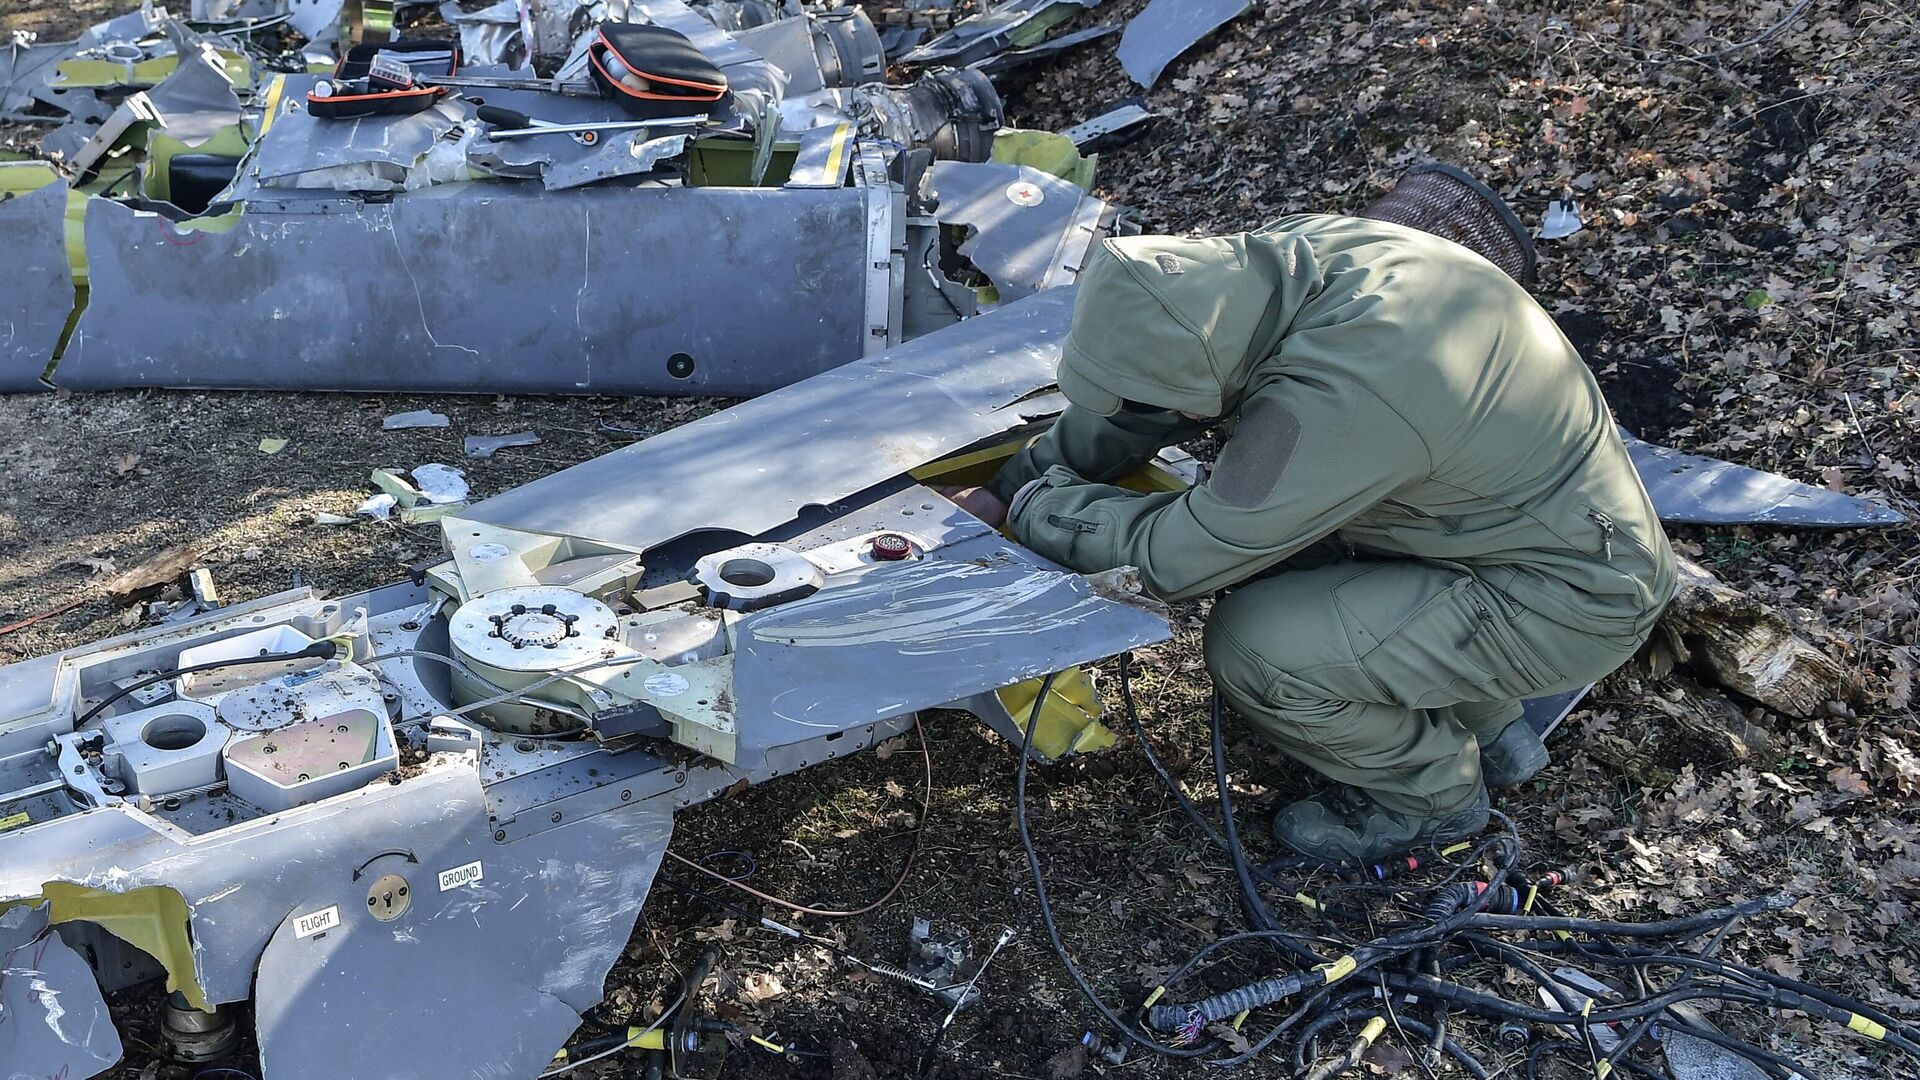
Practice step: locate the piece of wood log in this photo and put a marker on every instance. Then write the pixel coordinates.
(1748, 646)
(152, 574)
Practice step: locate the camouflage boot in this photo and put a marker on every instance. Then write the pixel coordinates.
(1345, 825)
(1513, 756)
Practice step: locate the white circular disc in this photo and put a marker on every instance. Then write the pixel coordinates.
(1022, 193)
(666, 684)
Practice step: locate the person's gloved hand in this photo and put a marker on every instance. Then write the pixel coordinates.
(977, 501)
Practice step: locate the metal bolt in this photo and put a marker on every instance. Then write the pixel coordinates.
(626, 796)
(499, 835)
(556, 817)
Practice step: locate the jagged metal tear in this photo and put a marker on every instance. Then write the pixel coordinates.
(53, 1019)
(499, 968)
(1166, 28)
(1692, 489)
(36, 283)
(1031, 230)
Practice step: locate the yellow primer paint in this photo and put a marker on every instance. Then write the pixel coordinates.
(152, 918)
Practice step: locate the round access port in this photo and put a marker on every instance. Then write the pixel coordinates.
(746, 573)
(176, 732)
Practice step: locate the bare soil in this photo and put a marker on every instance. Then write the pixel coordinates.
(1744, 287)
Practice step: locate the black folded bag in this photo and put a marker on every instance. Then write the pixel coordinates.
(654, 72)
(354, 96)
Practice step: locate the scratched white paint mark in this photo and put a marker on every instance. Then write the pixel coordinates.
(49, 1000)
(939, 610)
(419, 300)
(222, 894)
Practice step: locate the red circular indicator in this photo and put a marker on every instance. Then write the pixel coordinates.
(891, 547)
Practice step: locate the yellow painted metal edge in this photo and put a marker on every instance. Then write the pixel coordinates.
(152, 918)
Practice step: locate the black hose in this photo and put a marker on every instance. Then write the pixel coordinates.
(1046, 906)
(1227, 844)
(1706, 920)
(324, 650)
(1251, 905)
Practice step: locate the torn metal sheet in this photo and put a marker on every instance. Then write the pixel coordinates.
(788, 44)
(53, 1019)
(501, 287)
(1030, 231)
(1167, 28)
(1696, 490)
(1007, 63)
(293, 141)
(627, 153)
(1690, 1057)
(27, 68)
(317, 20)
(36, 281)
(485, 446)
(197, 101)
(1116, 127)
(861, 423)
(920, 634)
(1014, 24)
(81, 151)
(489, 35)
(1544, 714)
(825, 155)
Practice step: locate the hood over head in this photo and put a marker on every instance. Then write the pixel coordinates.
(1179, 323)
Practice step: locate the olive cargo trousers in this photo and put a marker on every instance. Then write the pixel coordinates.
(1383, 674)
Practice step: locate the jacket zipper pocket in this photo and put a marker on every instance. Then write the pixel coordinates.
(1605, 524)
(1485, 619)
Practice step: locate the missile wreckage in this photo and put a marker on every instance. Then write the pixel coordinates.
(272, 806)
(297, 797)
(466, 225)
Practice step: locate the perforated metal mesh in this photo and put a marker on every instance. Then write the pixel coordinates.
(1444, 201)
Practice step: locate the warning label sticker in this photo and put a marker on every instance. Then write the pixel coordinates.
(460, 875)
(317, 923)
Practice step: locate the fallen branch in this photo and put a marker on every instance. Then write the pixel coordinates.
(1748, 646)
(150, 576)
(57, 609)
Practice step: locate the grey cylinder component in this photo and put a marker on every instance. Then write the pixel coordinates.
(848, 47)
(952, 113)
(1446, 202)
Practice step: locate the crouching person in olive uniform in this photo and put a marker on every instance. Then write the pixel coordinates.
(1423, 512)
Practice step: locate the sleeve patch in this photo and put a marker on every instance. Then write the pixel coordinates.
(1256, 457)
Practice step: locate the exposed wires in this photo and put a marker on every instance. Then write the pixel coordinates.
(1411, 933)
(906, 868)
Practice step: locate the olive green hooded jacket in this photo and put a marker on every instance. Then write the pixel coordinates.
(1384, 387)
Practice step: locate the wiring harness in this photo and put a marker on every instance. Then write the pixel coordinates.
(1403, 947)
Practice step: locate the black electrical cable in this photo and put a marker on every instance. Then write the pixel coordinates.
(1046, 906)
(1460, 914)
(1253, 907)
(1706, 920)
(1179, 796)
(1493, 1005)
(1303, 1043)
(324, 650)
